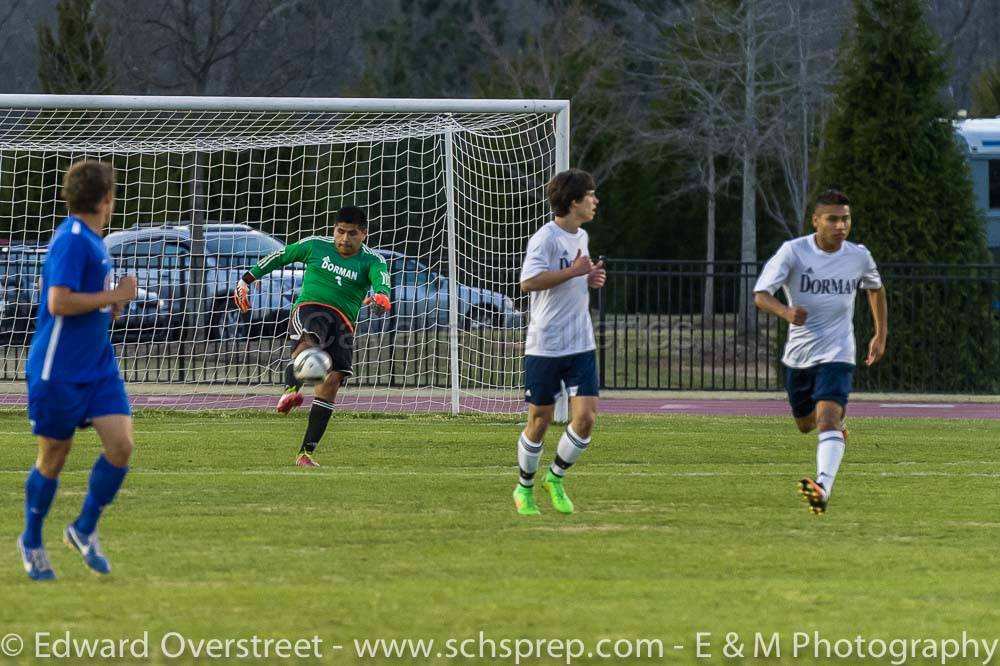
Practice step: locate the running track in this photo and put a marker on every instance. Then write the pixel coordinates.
(721, 407)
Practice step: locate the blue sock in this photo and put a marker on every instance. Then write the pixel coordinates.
(39, 491)
(105, 480)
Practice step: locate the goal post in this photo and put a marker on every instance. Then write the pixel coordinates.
(208, 185)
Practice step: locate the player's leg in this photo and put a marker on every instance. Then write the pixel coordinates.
(110, 414)
(55, 410)
(832, 388)
(582, 384)
(336, 338)
(541, 384)
(39, 493)
(799, 386)
(106, 478)
(319, 417)
(292, 395)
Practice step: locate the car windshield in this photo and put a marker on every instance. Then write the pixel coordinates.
(237, 250)
(148, 254)
(410, 271)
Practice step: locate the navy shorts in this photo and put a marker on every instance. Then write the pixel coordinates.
(826, 381)
(330, 331)
(543, 374)
(56, 409)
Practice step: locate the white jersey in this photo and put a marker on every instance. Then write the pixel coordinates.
(559, 323)
(825, 284)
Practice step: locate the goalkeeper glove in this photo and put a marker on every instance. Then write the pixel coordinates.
(241, 294)
(379, 303)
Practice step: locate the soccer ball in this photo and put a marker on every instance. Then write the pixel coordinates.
(312, 365)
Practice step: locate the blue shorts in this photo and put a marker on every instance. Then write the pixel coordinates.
(56, 409)
(543, 374)
(826, 381)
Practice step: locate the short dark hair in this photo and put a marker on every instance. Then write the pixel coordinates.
(566, 187)
(832, 198)
(352, 215)
(86, 184)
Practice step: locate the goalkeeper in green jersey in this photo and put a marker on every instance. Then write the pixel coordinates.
(340, 272)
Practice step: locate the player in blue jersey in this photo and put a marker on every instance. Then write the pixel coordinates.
(73, 377)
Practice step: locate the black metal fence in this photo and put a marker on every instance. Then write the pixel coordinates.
(678, 325)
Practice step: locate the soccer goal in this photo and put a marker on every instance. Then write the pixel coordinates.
(207, 186)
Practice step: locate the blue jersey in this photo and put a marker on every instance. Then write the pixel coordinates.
(73, 348)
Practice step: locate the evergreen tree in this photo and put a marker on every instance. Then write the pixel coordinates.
(74, 62)
(891, 146)
(890, 143)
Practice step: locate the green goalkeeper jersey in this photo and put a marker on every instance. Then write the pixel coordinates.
(330, 279)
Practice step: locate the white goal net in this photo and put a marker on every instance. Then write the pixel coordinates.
(208, 186)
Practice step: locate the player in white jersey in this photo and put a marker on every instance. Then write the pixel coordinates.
(559, 347)
(820, 275)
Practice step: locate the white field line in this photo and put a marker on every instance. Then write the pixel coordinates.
(908, 405)
(456, 473)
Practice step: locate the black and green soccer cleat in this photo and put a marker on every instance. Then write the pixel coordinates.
(560, 500)
(815, 494)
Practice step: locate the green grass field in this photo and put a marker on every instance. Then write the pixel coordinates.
(683, 525)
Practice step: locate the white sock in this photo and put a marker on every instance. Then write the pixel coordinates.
(571, 446)
(528, 453)
(828, 456)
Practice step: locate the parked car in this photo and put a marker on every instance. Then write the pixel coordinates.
(420, 300)
(147, 318)
(20, 269)
(160, 257)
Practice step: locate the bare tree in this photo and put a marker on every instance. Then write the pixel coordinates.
(571, 54)
(222, 46)
(694, 119)
(743, 43)
(968, 32)
(800, 112)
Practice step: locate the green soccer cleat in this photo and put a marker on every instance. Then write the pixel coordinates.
(524, 500)
(560, 500)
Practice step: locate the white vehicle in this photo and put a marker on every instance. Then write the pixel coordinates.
(981, 138)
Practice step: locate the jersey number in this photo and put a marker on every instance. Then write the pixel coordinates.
(339, 281)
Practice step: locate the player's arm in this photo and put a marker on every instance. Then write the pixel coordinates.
(65, 302)
(548, 279)
(765, 300)
(378, 276)
(880, 314)
(287, 255)
(771, 278)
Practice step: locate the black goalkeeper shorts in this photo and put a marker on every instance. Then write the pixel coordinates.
(327, 326)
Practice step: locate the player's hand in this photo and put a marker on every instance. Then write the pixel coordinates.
(241, 296)
(876, 350)
(581, 265)
(379, 303)
(597, 276)
(796, 316)
(117, 309)
(126, 289)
